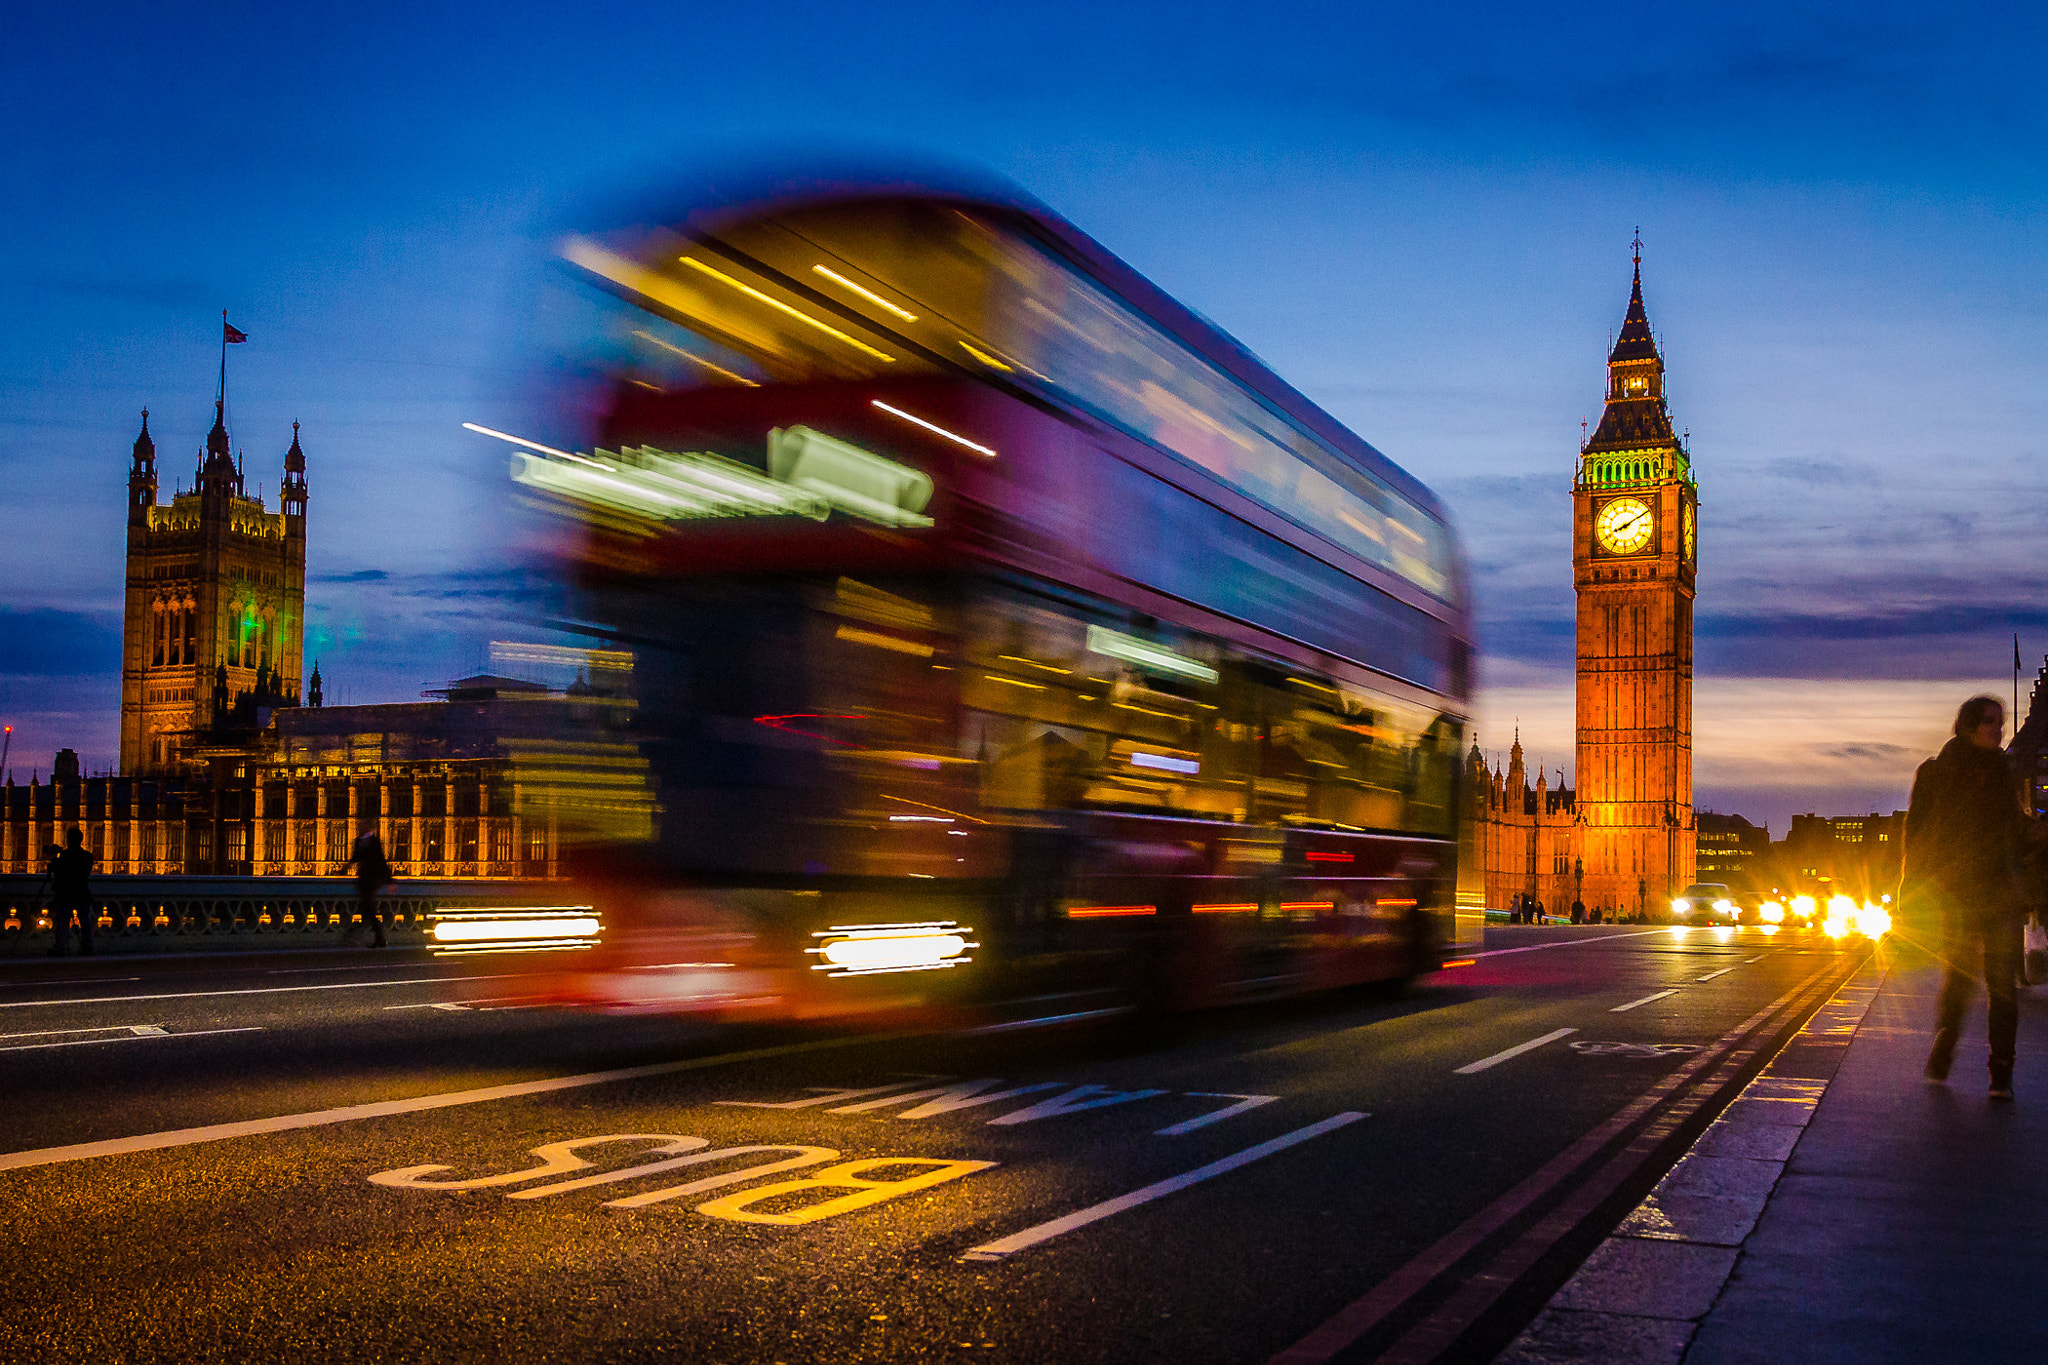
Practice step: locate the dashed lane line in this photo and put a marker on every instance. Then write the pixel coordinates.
(1723, 972)
(215, 1132)
(1484, 1063)
(1747, 960)
(250, 990)
(1095, 1213)
(1569, 943)
(1659, 995)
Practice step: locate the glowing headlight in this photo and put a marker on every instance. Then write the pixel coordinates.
(1725, 907)
(1804, 906)
(1681, 906)
(869, 949)
(1772, 913)
(517, 928)
(1874, 921)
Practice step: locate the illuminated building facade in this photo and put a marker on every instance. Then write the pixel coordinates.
(1634, 543)
(216, 594)
(1526, 838)
(1732, 852)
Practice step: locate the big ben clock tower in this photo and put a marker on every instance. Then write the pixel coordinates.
(1634, 537)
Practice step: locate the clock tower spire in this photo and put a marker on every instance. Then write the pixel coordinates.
(1634, 540)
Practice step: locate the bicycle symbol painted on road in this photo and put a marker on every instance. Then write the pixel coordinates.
(1586, 1047)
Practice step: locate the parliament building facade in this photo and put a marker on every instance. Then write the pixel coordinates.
(230, 766)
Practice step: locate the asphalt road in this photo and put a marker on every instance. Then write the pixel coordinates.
(328, 1157)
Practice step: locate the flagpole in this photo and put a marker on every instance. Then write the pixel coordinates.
(2015, 685)
(222, 396)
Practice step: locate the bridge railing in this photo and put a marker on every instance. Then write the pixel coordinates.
(142, 907)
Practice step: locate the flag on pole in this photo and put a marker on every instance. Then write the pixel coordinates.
(232, 335)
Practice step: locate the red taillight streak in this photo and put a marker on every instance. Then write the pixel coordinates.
(1109, 911)
(1307, 905)
(1461, 962)
(1249, 907)
(1332, 857)
(1396, 904)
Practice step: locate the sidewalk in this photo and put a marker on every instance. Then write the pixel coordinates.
(1842, 1209)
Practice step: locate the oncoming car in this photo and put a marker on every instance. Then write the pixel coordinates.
(1705, 903)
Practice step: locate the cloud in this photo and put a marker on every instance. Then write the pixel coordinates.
(358, 576)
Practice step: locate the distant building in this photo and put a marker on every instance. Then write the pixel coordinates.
(2029, 748)
(1526, 838)
(225, 772)
(1732, 851)
(477, 784)
(216, 599)
(1853, 855)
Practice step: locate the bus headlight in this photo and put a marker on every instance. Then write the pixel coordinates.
(872, 949)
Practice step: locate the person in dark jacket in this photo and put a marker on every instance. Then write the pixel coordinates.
(372, 875)
(71, 891)
(1965, 839)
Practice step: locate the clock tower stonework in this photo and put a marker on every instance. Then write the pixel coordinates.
(1634, 542)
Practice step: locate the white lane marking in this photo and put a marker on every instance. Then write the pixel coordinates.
(944, 1099)
(1095, 1213)
(1569, 943)
(825, 1094)
(1723, 972)
(1517, 1050)
(1228, 1111)
(253, 990)
(140, 1030)
(1046, 1022)
(80, 981)
(1072, 1102)
(1747, 960)
(214, 1132)
(1623, 1009)
(134, 1036)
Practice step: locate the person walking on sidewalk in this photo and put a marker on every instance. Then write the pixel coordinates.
(71, 890)
(372, 875)
(1965, 837)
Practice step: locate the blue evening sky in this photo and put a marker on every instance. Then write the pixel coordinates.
(1419, 215)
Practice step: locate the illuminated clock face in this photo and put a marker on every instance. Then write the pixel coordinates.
(1623, 526)
(1690, 533)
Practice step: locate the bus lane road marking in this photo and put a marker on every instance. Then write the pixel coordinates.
(1109, 1208)
(1659, 995)
(951, 1095)
(855, 1177)
(117, 1033)
(216, 1132)
(1723, 972)
(1509, 1054)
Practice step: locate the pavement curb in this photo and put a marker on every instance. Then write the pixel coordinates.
(1640, 1297)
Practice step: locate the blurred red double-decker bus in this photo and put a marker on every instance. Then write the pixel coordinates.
(991, 630)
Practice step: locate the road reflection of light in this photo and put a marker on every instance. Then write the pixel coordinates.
(1769, 930)
(1724, 932)
(1680, 930)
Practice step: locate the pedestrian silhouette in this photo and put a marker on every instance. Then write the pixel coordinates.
(373, 874)
(1965, 843)
(71, 890)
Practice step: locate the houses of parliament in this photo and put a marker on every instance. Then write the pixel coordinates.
(1624, 840)
(230, 763)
